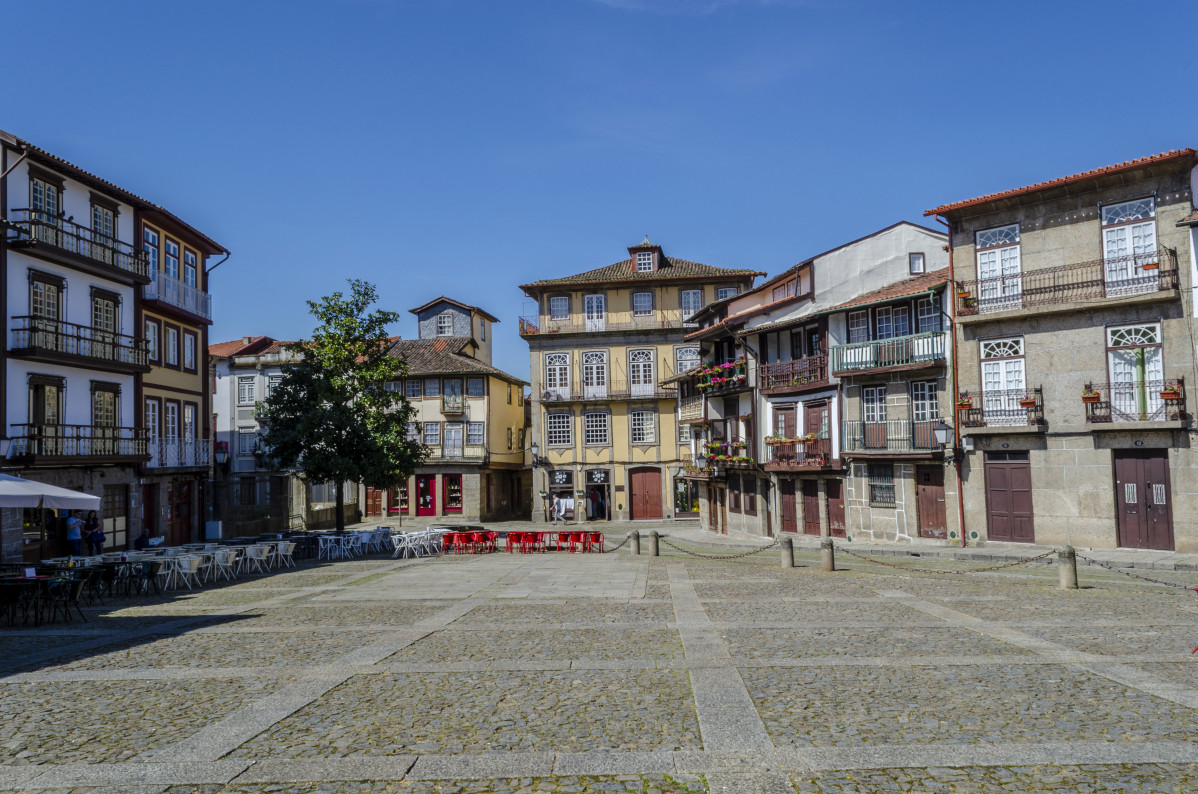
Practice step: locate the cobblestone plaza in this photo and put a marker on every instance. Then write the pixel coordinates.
(613, 673)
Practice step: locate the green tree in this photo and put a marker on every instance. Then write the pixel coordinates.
(332, 415)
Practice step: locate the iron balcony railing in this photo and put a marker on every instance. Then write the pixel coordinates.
(168, 453)
(451, 453)
(77, 441)
(798, 453)
(615, 321)
(39, 228)
(1001, 408)
(178, 293)
(891, 435)
(901, 351)
(1132, 401)
(453, 404)
(1135, 274)
(40, 334)
(797, 374)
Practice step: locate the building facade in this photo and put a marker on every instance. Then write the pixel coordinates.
(1075, 342)
(603, 345)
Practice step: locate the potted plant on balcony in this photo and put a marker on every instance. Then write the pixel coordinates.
(1027, 401)
(1089, 395)
(775, 439)
(963, 293)
(1149, 265)
(964, 403)
(745, 417)
(1171, 391)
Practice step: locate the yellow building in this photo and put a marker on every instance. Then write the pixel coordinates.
(603, 430)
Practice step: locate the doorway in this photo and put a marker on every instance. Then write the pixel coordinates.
(179, 531)
(1142, 499)
(426, 494)
(836, 524)
(1009, 497)
(810, 489)
(645, 497)
(598, 502)
(790, 517)
(374, 503)
(929, 493)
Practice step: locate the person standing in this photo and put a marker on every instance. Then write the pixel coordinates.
(593, 506)
(91, 529)
(74, 533)
(554, 509)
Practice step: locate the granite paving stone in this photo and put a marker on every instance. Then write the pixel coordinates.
(600, 644)
(851, 641)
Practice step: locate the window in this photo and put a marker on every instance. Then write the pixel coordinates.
(884, 319)
(1137, 376)
(1003, 381)
(189, 422)
(445, 324)
(474, 433)
(559, 307)
(189, 267)
(152, 339)
(152, 428)
(691, 301)
(687, 358)
(596, 429)
(453, 440)
(149, 242)
(432, 433)
(999, 279)
(640, 373)
(923, 401)
(782, 291)
(245, 390)
(881, 485)
(189, 353)
(901, 317)
(749, 494)
(45, 399)
(474, 387)
(642, 427)
(482, 330)
(686, 497)
(594, 374)
(557, 375)
(558, 430)
(44, 199)
(170, 421)
(432, 387)
(724, 292)
(684, 433)
(642, 304)
(272, 383)
(510, 438)
(929, 315)
(103, 224)
(403, 495)
(115, 523)
(858, 327)
(1129, 243)
(172, 346)
(453, 492)
(104, 404)
(915, 263)
(45, 295)
(246, 439)
(509, 394)
(104, 312)
(873, 404)
(733, 492)
(520, 439)
(411, 389)
(644, 261)
(170, 262)
(413, 431)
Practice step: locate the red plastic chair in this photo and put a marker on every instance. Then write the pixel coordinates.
(513, 541)
(533, 542)
(593, 542)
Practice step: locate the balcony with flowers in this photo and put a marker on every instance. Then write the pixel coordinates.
(811, 452)
(730, 377)
(733, 454)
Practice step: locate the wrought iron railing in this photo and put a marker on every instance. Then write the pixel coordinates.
(167, 453)
(1142, 401)
(42, 334)
(925, 348)
(39, 228)
(799, 453)
(1001, 408)
(616, 321)
(608, 389)
(453, 404)
(178, 293)
(77, 441)
(797, 374)
(469, 453)
(1135, 274)
(892, 435)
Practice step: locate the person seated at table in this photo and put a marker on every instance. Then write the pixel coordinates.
(74, 534)
(142, 541)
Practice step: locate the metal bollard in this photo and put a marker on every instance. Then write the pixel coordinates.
(1067, 568)
(653, 543)
(634, 545)
(827, 555)
(788, 552)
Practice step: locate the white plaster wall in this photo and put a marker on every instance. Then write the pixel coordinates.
(75, 200)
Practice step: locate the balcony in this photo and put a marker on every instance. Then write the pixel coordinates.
(1016, 408)
(69, 243)
(1152, 276)
(799, 454)
(789, 377)
(453, 404)
(612, 321)
(59, 342)
(456, 453)
(691, 470)
(902, 437)
(604, 390)
(887, 355)
(730, 377)
(176, 293)
(178, 453)
(1145, 401)
(690, 409)
(56, 445)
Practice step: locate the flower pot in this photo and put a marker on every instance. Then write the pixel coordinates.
(1091, 398)
(964, 405)
(1170, 394)
(1027, 403)
(963, 294)
(1150, 266)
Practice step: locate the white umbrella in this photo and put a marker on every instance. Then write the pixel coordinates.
(19, 492)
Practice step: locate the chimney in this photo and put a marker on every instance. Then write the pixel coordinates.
(245, 340)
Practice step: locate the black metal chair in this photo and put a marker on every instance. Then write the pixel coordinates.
(145, 576)
(64, 594)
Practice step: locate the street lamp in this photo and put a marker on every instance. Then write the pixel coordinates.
(537, 460)
(942, 432)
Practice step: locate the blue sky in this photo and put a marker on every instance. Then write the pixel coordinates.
(467, 146)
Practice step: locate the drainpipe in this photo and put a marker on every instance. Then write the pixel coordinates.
(950, 292)
(218, 264)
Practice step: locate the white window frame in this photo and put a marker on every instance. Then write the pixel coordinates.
(690, 301)
(928, 312)
(559, 307)
(559, 430)
(475, 433)
(596, 429)
(432, 434)
(245, 390)
(644, 261)
(1000, 268)
(413, 388)
(725, 292)
(858, 327)
(594, 374)
(445, 324)
(1129, 242)
(873, 404)
(172, 346)
(641, 427)
(481, 391)
(923, 401)
(642, 304)
(686, 358)
(1004, 380)
(152, 339)
(189, 352)
(247, 441)
(916, 263)
(413, 433)
(272, 383)
(432, 387)
(642, 372)
(557, 375)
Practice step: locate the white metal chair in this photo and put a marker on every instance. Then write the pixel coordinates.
(284, 552)
(328, 547)
(255, 556)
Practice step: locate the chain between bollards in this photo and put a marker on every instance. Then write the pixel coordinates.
(1067, 568)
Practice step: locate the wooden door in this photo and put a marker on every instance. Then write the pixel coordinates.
(784, 425)
(790, 511)
(810, 490)
(374, 503)
(646, 493)
(1009, 497)
(713, 509)
(929, 492)
(1142, 499)
(180, 514)
(426, 494)
(836, 525)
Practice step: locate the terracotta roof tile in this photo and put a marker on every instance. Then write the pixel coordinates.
(1064, 180)
(626, 271)
(482, 312)
(443, 356)
(1189, 220)
(899, 289)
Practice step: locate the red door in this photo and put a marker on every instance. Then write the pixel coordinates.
(426, 494)
(374, 503)
(1009, 497)
(179, 515)
(810, 507)
(1142, 497)
(929, 489)
(646, 493)
(790, 512)
(835, 508)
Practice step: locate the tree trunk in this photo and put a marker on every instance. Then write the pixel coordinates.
(340, 505)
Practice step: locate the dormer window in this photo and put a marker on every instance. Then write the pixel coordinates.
(644, 262)
(445, 324)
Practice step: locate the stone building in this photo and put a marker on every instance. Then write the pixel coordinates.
(601, 342)
(1075, 350)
